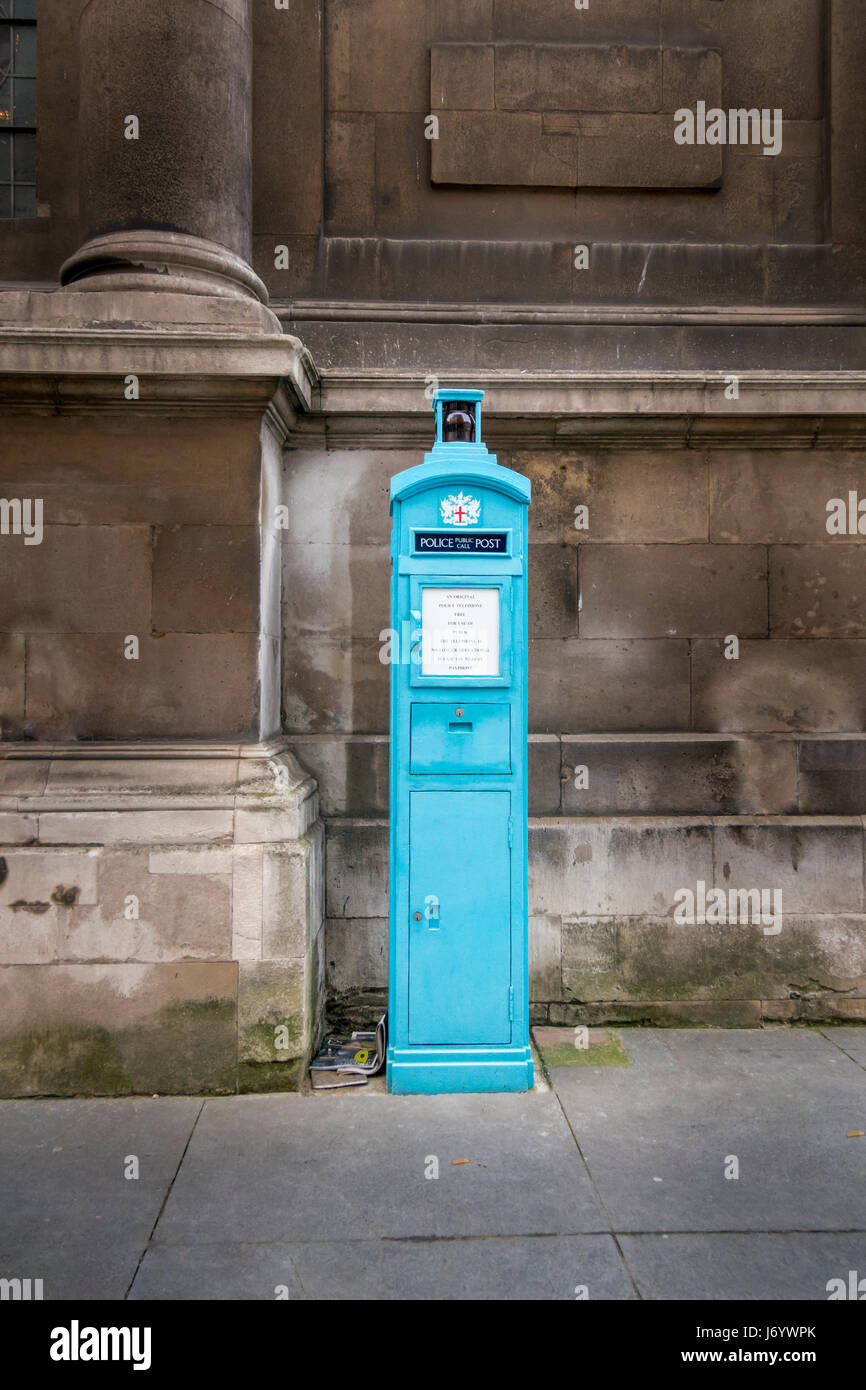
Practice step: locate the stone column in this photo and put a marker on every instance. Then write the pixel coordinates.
(166, 120)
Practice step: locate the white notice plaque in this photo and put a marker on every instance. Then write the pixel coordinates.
(459, 632)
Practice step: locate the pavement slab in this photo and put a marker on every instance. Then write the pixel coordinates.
(289, 1168)
(613, 1183)
(659, 1136)
(68, 1215)
(757, 1266)
(512, 1267)
(850, 1040)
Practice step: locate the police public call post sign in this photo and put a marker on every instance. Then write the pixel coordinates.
(458, 988)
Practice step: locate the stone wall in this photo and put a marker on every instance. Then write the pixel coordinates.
(534, 103)
(672, 336)
(656, 762)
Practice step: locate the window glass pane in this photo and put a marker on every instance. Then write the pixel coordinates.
(25, 200)
(24, 51)
(24, 101)
(5, 200)
(5, 157)
(24, 153)
(22, 9)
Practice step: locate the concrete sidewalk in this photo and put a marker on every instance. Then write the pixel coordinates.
(613, 1182)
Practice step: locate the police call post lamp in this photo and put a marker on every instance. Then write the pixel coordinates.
(458, 1006)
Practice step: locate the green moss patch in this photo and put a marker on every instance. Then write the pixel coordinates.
(603, 1054)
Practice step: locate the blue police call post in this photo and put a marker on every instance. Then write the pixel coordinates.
(458, 987)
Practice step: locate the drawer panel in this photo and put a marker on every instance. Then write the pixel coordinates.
(459, 738)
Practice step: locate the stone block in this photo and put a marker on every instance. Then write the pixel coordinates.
(774, 56)
(356, 954)
(663, 1013)
(461, 77)
(247, 902)
(552, 577)
(779, 686)
(79, 579)
(502, 147)
(798, 198)
(604, 685)
(356, 869)
(336, 591)
(847, 55)
(12, 646)
(351, 772)
(118, 1029)
(350, 173)
(42, 877)
(817, 591)
(515, 271)
(29, 936)
(176, 916)
(640, 152)
(658, 959)
(817, 866)
(611, 867)
(545, 957)
(135, 827)
(549, 20)
(544, 765)
(832, 776)
(335, 685)
(378, 51)
(779, 496)
(404, 206)
(300, 277)
(639, 498)
(271, 997)
(18, 829)
(287, 58)
(192, 859)
(673, 591)
(290, 874)
(124, 782)
(175, 471)
(589, 965)
(690, 75)
(21, 778)
(680, 776)
(577, 77)
(340, 496)
(265, 824)
(182, 685)
(206, 579)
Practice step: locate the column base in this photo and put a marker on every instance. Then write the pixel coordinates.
(451, 1070)
(171, 262)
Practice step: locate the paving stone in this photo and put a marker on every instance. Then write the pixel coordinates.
(753, 1267)
(483, 1269)
(70, 1217)
(852, 1041)
(657, 1135)
(284, 1168)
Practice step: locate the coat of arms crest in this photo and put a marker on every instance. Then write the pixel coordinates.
(460, 509)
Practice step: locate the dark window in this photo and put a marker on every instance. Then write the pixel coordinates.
(17, 108)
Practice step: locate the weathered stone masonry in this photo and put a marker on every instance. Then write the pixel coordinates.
(193, 846)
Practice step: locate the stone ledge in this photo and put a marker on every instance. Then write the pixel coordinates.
(140, 790)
